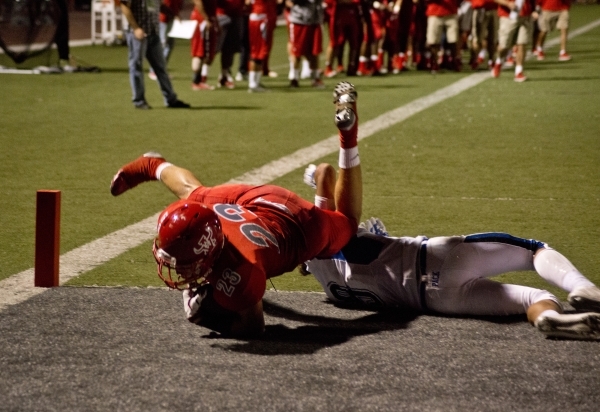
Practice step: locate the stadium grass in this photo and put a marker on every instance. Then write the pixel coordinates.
(517, 158)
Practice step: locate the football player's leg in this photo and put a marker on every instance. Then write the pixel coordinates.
(348, 189)
(559, 271)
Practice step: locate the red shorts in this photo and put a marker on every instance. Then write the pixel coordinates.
(306, 40)
(260, 35)
(204, 41)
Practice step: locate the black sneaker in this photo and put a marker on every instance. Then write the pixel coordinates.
(178, 104)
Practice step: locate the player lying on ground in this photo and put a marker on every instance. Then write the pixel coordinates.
(220, 244)
(447, 275)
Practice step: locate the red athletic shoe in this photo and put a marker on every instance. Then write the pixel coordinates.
(540, 55)
(329, 72)
(202, 86)
(564, 57)
(520, 78)
(142, 169)
(510, 61)
(496, 70)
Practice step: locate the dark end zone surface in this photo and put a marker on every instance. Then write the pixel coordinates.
(75, 349)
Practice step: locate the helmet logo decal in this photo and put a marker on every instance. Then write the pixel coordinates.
(206, 243)
(258, 235)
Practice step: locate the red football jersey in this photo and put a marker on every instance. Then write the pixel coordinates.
(269, 231)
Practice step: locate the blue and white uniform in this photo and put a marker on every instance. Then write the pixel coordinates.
(443, 274)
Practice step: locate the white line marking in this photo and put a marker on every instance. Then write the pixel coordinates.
(19, 287)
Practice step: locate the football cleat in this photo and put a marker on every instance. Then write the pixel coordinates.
(583, 326)
(142, 169)
(344, 97)
(309, 176)
(585, 299)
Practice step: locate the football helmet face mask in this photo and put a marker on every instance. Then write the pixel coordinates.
(189, 240)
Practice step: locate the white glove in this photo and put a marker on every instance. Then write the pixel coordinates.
(309, 176)
(375, 226)
(191, 302)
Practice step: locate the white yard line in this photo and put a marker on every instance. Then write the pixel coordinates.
(19, 287)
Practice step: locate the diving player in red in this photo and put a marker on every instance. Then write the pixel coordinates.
(224, 242)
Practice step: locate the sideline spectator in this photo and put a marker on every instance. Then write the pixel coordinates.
(143, 40)
(169, 12)
(554, 15)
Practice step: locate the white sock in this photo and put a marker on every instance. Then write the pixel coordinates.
(252, 79)
(160, 168)
(349, 158)
(205, 68)
(518, 69)
(556, 269)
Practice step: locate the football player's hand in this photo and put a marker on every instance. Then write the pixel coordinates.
(375, 226)
(191, 303)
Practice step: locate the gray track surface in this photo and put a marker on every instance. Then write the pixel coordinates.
(100, 349)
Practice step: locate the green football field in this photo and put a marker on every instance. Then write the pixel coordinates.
(500, 156)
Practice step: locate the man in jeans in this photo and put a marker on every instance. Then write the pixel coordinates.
(143, 40)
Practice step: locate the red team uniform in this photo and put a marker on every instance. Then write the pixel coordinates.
(269, 231)
(204, 41)
(262, 23)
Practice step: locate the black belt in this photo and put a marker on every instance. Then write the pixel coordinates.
(423, 273)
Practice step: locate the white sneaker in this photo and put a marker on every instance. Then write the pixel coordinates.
(309, 176)
(584, 326)
(585, 299)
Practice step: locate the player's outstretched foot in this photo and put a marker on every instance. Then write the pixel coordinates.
(346, 116)
(142, 169)
(585, 299)
(584, 326)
